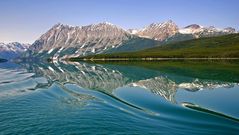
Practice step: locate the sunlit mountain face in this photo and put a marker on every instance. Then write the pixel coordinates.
(135, 93)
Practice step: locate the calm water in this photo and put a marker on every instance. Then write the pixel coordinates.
(168, 97)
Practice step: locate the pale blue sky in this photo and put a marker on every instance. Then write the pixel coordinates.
(25, 20)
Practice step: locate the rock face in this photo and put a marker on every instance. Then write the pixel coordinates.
(12, 50)
(158, 31)
(63, 40)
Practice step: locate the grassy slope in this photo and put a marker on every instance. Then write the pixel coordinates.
(214, 47)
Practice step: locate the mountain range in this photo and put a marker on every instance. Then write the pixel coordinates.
(63, 41)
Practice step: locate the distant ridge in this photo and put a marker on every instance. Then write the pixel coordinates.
(12, 50)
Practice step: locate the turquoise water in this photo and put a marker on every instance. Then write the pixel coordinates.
(119, 98)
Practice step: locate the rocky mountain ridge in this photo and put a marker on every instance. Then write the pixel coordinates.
(62, 40)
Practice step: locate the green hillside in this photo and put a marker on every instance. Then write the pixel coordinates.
(213, 47)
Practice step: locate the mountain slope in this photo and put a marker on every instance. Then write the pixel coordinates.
(12, 50)
(67, 41)
(213, 47)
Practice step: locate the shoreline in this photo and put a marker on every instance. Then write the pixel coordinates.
(145, 59)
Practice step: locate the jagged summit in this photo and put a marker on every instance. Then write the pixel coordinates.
(159, 31)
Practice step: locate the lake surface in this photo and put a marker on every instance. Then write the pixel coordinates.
(163, 97)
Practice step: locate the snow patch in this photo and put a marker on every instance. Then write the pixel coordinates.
(83, 72)
(83, 46)
(190, 86)
(134, 32)
(61, 69)
(93, 68)
(68, 37)
(60, 50)
(76, 51)
(136, 85)
(50, 51)
(93, 50)
(105, 48)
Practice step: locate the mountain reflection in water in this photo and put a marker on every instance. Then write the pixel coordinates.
(176, 97)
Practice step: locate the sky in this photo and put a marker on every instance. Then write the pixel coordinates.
(26, 20)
